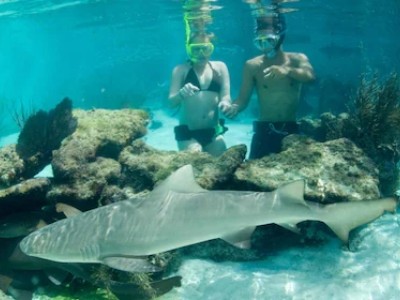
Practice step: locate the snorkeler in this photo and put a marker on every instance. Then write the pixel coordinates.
(277, 77)
(199, 86)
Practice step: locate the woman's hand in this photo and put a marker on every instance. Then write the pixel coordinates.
(228, 109)
(188, 90)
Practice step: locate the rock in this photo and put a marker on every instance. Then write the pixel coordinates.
(27, 195)
(87, 185)
(87, 160)
(312, 128)
(335, 171)
(143, 166)
(11, 166)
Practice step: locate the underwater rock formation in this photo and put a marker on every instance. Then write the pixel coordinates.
(87, 160)
(335, 171)
(372, 123)
(27, 195)
(42, 133)
(11, 166)
(105, 161)
(143, 166)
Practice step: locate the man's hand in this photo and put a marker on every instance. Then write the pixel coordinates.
(228, 109)
(276, 72)
(188, 90)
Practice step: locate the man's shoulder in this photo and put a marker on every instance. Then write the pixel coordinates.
(297, 56)
(254, 62)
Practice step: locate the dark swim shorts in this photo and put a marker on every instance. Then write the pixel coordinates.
(268, 137)
(203, 136)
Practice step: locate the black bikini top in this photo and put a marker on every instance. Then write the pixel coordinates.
(214, 86)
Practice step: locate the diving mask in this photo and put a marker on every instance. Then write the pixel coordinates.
(267, 42)
(199, 49)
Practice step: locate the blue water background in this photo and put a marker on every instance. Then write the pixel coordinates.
(120, 53)
(113, 54)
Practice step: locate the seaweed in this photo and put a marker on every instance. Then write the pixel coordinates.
(20, 113)
(376, 115)
(42, 133)
(373, 124)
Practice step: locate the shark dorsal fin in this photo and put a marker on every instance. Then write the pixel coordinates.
(292, 192)
(181, 181)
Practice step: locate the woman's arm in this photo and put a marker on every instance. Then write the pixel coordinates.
(175, 97)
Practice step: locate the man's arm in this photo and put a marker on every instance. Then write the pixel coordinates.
(298, 68)
(225, 93)
(303, 72)
(232, 109)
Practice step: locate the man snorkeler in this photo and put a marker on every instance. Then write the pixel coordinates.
(277, 77)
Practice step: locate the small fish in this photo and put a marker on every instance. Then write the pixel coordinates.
(68, 210)
(21, 224)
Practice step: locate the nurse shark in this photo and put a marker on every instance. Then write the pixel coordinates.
(177, 213)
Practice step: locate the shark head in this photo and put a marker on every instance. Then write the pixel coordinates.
(36, 244)
(50, 241)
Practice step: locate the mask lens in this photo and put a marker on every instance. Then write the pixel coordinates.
(200, 48)
(266, 42)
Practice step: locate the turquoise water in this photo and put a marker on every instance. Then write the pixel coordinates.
(120, 53)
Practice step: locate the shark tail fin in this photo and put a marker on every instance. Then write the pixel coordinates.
(343, 217)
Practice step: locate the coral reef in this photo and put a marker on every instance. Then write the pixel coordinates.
(372, 123)
(144, 166)
(87, 160)
(105, 160)
(335, 171)
(27, 195)
(11, 167)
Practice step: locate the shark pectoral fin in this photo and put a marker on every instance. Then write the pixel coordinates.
(241, 238)
(130, 264)
(291, 227)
